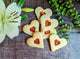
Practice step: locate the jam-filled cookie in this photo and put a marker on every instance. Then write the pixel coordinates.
(36, 40)
(40, 12)
(47, 33)
(47, 23)
(30, 29)
(56, 42)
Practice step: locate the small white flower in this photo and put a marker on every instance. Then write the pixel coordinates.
(9, 20)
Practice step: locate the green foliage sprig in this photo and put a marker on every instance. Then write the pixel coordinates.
(66, 7)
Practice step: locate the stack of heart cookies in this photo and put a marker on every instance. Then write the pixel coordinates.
(43, 28)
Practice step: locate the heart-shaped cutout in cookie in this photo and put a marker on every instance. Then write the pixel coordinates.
(36, 40)
(56, 42)
(47, 33)
(40, 12)
(47, 23)
(30, 29)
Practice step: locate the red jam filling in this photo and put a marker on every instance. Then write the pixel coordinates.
(47, 32)
(56, 42)
(42, 13)
(32, 29)
(36, 41)
(47, 23)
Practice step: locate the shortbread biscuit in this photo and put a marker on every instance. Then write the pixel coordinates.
(56, 42)
(30, 29)
(40, 12)
(36, 40)
(47, 23)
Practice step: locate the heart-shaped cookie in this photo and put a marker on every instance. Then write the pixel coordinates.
(56, 42)
(46, 33)
(47, 23)
(40, 12)
(30, 29)
(36, 40)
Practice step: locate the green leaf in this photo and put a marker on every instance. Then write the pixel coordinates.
(23, 17)
(20, 3)
(12, 1)
(27, 9)
(3, 0)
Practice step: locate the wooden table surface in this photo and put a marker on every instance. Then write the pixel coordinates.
(17, 48)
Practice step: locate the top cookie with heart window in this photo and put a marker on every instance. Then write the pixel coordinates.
(56, 42)
(33, 27)
(47, 23)
(40, 12)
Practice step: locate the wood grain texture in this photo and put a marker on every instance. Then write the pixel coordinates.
(17, 48)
